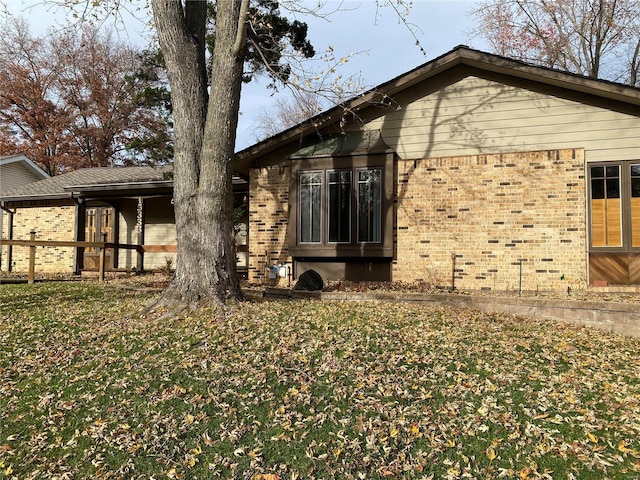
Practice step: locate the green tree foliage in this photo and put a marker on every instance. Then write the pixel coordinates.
(155, 95)
(269, 37)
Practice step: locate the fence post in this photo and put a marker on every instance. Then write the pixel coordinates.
(32, 259)
(103, 251)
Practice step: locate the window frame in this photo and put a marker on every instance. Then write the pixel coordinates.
(327, 217)
(355, 185)
(310, 172)
(352, 249)
(625, 196)
(356, 189)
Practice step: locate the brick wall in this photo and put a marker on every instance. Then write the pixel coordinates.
(491, 211)
(268, 220)
(49, 223)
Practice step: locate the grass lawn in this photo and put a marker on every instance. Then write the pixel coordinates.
(286, 390)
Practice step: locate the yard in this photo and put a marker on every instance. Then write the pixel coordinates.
(283, 390)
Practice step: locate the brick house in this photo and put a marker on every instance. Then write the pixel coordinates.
(125, 205)
(473, 170)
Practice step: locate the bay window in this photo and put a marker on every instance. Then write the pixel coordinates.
(328, 201)
(341, 207)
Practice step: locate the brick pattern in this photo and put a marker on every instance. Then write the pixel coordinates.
(490, 211)
(268, 221)
(49, 223)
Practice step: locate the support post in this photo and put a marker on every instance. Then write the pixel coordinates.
(140, 227)
(115, 253)
(10, 247)
(79, 235)
(103, 253)
(32, 259)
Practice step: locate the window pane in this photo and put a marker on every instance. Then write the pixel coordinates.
(613, 188)
(613, 171)
(313, 178)
(635, 181)
(597, 188)
(369, 205)
(339, 207)
(605, 182)
(310, 207)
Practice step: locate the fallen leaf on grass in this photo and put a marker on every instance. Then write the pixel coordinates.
(491, 453)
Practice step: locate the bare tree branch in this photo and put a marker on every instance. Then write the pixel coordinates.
(596, 38)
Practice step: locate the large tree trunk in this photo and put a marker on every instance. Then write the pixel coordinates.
(204, 129)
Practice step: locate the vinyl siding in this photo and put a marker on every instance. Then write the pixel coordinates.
(14, 175)
(478, 116)
(160, 229)
(127, 233)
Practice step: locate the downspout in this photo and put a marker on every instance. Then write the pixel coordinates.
(453, 271)
(9, 237)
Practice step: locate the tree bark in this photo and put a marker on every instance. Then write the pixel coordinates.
(205, 129)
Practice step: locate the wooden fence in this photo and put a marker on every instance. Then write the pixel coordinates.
(32, 243)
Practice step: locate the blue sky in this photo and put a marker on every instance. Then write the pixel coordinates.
(386, 48)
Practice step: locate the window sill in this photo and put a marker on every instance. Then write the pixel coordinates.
(341, 251)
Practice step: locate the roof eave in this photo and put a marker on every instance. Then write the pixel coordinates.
(556, 78)
(118, 187)
(36, 197)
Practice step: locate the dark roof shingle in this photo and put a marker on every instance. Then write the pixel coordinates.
(55, 186)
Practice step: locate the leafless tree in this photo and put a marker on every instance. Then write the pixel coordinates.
(595, 38)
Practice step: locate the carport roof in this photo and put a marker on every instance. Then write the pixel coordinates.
(62, 186)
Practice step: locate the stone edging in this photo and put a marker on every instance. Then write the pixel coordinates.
(614, 317)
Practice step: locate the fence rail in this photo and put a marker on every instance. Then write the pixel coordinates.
(32, 243)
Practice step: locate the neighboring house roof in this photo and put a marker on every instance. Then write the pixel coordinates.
(620, 96)
(26, 162)
(100, 182)
(17, 171)
(91, 179)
